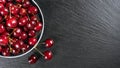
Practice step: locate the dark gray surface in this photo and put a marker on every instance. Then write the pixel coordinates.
(86, 33)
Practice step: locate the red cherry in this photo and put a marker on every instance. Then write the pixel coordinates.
(25, 47)
(9, 4)
(32, 41)
(1, 6)
(33, 23)
(49, 43)
(2, 28)
(15, 51)
(38, 27)
(33, 18)
(14, 9)
(4, 12)
(3, 1)
(5, 33)
(17, 32)
(31, 33)
(17, 45)
(26, 4)
(19, 1)
(23, 36)
(32, 59)
(32, 10)
(29, 26)
(23, 11)
(9, 0)
(23, 21)
(4, 40)
(48, 55)
(11, 22)
(6, 52)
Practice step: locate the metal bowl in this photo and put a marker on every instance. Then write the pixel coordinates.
(39, 36)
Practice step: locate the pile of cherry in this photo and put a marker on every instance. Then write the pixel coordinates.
(19, 28)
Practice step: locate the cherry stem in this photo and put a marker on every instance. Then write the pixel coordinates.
(10, 11)
(28, 17)
(39, 51)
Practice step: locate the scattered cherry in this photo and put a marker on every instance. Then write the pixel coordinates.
(32, 59)
(48, 55)
(49, 43)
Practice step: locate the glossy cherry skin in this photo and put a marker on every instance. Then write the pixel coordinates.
(29, 26)
(9, 4)
(15, 51)
(1, 49)
(2, 28)
(32, 59)
(32, 41)
(23, 36)
(48, 55)
(23, 21)
(32, 10)
(19, 1)
(31, 33)
(11, 22)
(26, 3)
(3, 1)
(22, 11)
(1, 6)
(6, 33)
(49, 43)
(4, 12)
(14, 9)
(17, 45)
(17, 32)
(38, 27)
(3, 40)
(25, 47)
(6, 51)
(34, 18)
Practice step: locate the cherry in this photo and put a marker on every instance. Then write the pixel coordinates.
(12, 22)
(15, 51)
(32, 10)
(38, 27)
(32, 41)
(4, 12)
(32, 59)
(2, 28)
(49, 43)
(23, 21)
(26, 4)
(31, 33)
(48, 55)
(9, 4)
(14, 9)
(23, 36)
(23, 11)
(19, 1)
(25, 47)
(17, 45)
(6, 33)
(5, 51)
(34, 18)
(17, 32)
(4, 40)
(29, 26)
(3, 1)
(1, 6)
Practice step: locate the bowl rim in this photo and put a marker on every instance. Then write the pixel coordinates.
(42, 31)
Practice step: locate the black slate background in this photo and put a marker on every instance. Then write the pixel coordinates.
(86, 34)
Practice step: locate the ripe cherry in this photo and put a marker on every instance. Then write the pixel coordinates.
(17, 45)
(32, 59)
(1, 6)
(12, 22)
(22, 11)
(49, 43)
(9, 4)
(5, 51)
(38, 27)
(48, 55)
(4, 12)
(25, 47)
(23, 36)
(19, 1)
(2, 28)
(15, 51)
(23, 21)
(29, 26)
(14, 9)
(31, 33)
(4, 40)
(32, 10)
(17, 32)
(26, 3)
(32, 41)
(3, 1)
(34, 18)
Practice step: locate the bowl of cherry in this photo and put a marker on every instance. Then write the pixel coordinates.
(21, 30)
